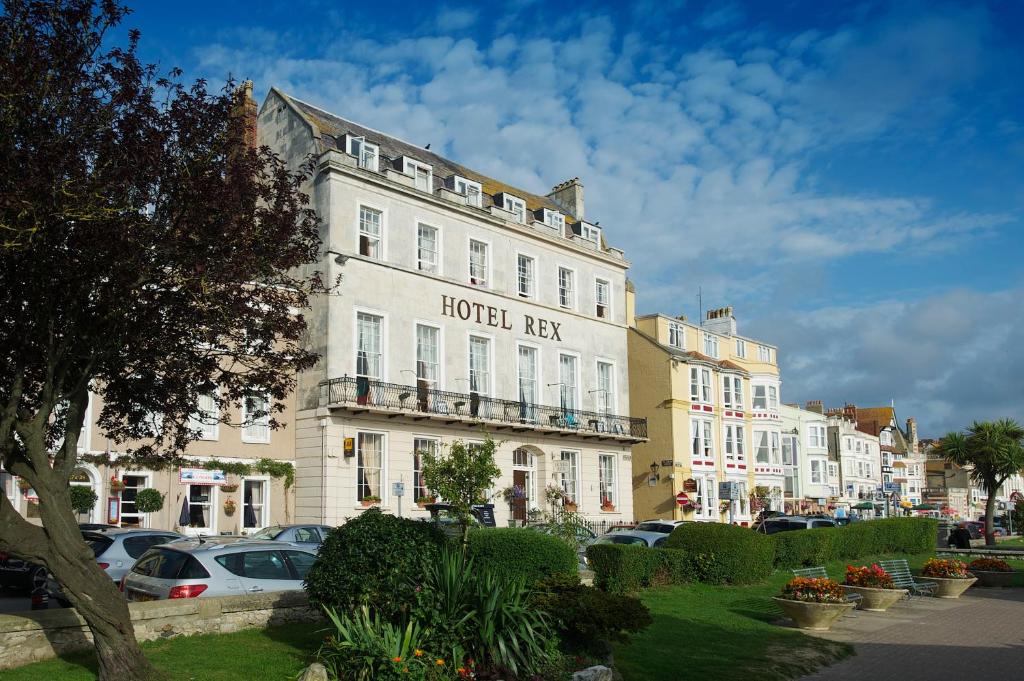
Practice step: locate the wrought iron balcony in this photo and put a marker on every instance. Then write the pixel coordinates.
(360, 394)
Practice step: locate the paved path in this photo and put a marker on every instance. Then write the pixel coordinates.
(980, 636)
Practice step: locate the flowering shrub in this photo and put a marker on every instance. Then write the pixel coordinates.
(945, 568)
(814, 590)
(990, 565)
(873, 577)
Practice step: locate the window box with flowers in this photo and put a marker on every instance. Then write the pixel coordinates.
(813, 603)
(424, 500)
(569, 505)
(950, 574)
(370, 500)
(607, 506)
(874, 585)
(992, 572)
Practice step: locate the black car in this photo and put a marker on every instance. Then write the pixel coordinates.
(17, 573)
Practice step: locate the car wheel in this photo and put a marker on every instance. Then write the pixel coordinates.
(37, 579)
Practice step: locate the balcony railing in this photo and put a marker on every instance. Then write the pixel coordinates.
(422, 399)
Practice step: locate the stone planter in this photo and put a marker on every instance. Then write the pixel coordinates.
(876, 600)
(993, 578)
(813, 616)
(948, 587)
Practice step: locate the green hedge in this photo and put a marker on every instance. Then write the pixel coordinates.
(626, 568)
(732, 554)
(522, 553)
(866, 538)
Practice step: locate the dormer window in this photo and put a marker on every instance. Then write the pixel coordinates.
(590, 232)
(554, 219)
(422, 173)
(516, 206)
(366, 154)
(471, 190)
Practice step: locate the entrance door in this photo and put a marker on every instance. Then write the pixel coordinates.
(519, 480)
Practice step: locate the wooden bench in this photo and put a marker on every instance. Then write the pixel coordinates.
(901, 577)
(819, 573)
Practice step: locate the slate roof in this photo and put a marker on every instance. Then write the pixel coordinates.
(333, 128)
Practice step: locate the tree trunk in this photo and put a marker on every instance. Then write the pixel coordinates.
(990, 512)
(92, 593)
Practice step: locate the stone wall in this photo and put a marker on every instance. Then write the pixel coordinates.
(40, 635)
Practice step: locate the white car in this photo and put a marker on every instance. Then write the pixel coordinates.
(217, 567)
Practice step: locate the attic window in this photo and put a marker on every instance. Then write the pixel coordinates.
(554, 219)
(590, 232)
(422, 173)
(365, 153)
(471, 190)
(517, 207)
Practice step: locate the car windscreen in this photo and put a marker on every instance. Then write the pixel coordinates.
(621, 539)
(664, 528)
(169, 564)
(268, 533)
(97, 542)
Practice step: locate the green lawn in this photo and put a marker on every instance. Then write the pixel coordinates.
(271, 655)
(1017, 541)
(725, 633)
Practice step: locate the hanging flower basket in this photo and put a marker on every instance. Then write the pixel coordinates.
(229, 507)
(229, 488)
(724, 506)
(116, 484)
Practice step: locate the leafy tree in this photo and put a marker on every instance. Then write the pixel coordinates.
(149, 500)
(83, 499)
(991, 451)
(461, 476)
(150, 254)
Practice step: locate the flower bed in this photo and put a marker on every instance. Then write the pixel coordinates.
(992, 572)
(874, 586)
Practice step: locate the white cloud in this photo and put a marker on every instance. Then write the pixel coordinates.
(456, 19)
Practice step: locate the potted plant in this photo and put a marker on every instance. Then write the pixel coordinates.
(554, 495)
(370, 500)
(116, 484)
(813, 603)
(950, 574)
(875, 586)
(426, 499)
(607, 506)
(229, 507)
(149, 500)
(991, 572)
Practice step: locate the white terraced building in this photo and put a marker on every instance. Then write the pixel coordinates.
(464, 307)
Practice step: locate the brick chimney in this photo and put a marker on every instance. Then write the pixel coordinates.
(721, 321)
(912, 435)
(569, 195)
(817, 406)
(850, 412)
(245, 107)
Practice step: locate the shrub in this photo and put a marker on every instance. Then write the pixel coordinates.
(990, 565)
(519, 553)
(373, 559)
(813, 590)
(950, 568)
(874, 537)
(83, 499)
(149, 500)
(588, 619)
(733, 554)
(622, 568)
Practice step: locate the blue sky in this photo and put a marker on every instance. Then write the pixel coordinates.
(849, 177)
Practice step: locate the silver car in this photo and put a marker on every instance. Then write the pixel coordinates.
(641, 538)
(217, 567)
(297, 534)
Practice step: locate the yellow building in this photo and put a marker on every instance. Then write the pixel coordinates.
(711, 400)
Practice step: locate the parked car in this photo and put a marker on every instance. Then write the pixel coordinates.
(792, 522)
(639, 537)
(116, 550)
(620, 527)
(584, 538)
(21, 575)
(217, 567)
(659, 526)
(297, 534)
(977, 528)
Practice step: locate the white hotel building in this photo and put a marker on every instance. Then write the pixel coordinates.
(463, 306)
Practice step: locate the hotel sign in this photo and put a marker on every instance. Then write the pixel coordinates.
(498, 317)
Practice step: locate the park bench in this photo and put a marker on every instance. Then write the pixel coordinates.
(901, 577)
(819, 573)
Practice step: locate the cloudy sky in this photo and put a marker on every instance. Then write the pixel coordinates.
(849, 179)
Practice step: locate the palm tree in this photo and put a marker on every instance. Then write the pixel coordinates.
(992, 451)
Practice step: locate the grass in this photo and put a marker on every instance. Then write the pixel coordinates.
(271, 654)
(1018, 541)
(727, 633)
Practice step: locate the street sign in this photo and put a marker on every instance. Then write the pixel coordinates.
(561, 466)
(690, 485)
(398, 489)
(682, 498)
(894, 497)
(890, 487)
(728, 491)
(666, 463)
